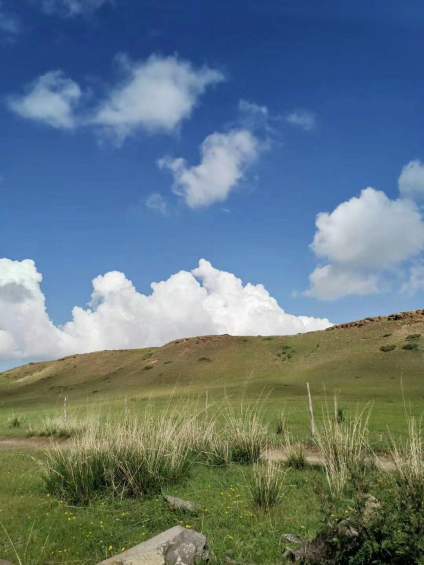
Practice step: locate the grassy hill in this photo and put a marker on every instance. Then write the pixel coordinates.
(361, 361)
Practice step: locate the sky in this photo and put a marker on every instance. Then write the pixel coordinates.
(174, 169)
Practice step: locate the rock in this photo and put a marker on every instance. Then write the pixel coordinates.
(292, 538)
(5, 562)
(175, 503)
(188, 548)
(177, 545)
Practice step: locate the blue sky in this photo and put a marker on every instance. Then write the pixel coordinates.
(299, 105)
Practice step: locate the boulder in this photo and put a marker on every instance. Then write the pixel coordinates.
(177, 545)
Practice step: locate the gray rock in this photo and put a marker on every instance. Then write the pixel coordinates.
(176, 546)
(175, 503)
(292, 538)
(5, 562)
(188, 548)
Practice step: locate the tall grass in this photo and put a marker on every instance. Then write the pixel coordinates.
(133, 458)
(408, 459)
(266, 484)
(59, 427)
(295, 453)
(246, 434)
(344, 447)
(139, 454)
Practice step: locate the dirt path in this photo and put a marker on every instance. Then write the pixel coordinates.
(25, 442)
(313, 457)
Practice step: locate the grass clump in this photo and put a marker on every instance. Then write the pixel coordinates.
(58, 427)
(410, 346)
(296, 458)
(344, 448)
(387, 348)
(380, 517)
(266, 484)
(130, 459)
(247, 435)
(412, 337)
(15, 422)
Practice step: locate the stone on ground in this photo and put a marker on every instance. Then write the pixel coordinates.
(177, 545)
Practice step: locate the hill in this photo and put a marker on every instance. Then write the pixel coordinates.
(361, 360)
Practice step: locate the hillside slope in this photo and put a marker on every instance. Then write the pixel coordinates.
(347, 358)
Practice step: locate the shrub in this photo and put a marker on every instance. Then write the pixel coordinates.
(205, 359)
(266, 484)
(411, 346)
(386, 348)
(385, 528)
(412, 337)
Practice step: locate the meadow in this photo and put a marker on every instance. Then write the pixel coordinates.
(89, 446)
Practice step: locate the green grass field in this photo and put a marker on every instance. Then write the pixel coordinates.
(195, 375)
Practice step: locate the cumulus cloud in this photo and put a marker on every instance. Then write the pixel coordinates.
(156, 95)
(361, 239)
(331, 282)
(224, 160)
(411, 181)
(302, 119)
(157, 202)
(72, 7)
(51, 99)
(201, 302)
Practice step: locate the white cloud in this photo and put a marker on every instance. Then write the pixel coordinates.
(50, 99)
(361, 239)
(331, 282)
(411, 181)
(10, 26)
(204, 301)
(415, 282)
(156, 95)
(302, 119)
(157, 202)
(224, 160)
(72, 7)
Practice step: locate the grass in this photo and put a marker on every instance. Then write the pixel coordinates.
(267, 484)
(45, 529)
(344, 447)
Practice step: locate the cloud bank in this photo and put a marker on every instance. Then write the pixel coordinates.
(203, 301)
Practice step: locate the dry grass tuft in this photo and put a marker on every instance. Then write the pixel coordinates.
(266, 484)
(344, 448)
